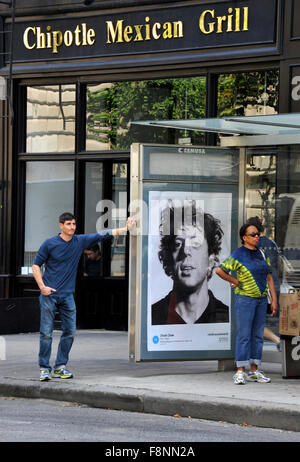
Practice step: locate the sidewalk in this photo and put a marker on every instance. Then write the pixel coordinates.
(104, 377)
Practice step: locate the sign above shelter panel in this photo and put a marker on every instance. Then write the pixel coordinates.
(176, 28)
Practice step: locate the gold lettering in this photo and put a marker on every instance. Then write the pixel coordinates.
(112, 33)
(68, 38)
(211, 25)
(25, 37)
(155, 34)
(246, 18)
(41, 38)
(237, 19)
(34, 37)
(139, 36)
(49, 37)
(84, 41)
(229, 23)
(178, 29)
(119, 33)
(57, 40)
(148, 31)
(220, 19)
(91, 37)
(128, 34)
(167, 34)
(77, 33)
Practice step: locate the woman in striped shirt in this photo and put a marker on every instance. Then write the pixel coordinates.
(254, 278)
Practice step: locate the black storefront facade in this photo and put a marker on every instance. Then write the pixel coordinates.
(75, 76)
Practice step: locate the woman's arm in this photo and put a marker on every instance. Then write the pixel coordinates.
(223, 275)
(273, 294)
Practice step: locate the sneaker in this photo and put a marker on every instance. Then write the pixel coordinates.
(45, 375)
(258, 376)
(239, 378)
(62, 372)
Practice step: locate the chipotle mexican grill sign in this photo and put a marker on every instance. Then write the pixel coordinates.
(197, 26)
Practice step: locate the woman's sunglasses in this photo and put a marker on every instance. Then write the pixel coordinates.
(253, 234)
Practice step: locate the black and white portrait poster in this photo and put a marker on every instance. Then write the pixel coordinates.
(188, 306)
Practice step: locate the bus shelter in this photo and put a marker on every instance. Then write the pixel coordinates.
(253, 171)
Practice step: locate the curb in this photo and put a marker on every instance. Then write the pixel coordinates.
(246, 412)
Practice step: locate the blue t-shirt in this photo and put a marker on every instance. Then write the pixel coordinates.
(61, 259)
(252, 271)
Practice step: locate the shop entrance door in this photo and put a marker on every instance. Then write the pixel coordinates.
(102, 281)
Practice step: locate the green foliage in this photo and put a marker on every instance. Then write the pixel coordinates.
(237, 92)
(112, 108)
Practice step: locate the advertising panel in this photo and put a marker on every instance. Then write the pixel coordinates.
(187, 225)
(188, 306)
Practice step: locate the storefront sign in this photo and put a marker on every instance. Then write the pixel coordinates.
(197, 26)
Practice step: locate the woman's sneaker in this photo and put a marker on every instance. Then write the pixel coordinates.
(45, 375)
(62, 372)
(258, 376)
(239, 378)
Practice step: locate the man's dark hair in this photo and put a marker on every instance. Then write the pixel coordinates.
(243, 230)
(66, 216)
(94, 248)
(212, 231)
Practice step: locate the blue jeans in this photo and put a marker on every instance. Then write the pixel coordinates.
(251, 320)
(65, 304)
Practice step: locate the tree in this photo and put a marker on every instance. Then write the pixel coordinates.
(113, 107)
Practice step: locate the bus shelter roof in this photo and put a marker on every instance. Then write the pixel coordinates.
(274, 127)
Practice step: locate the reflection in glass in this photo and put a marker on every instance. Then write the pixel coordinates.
(92, 261)
(273, 195)
(111, 107)
(93, 195)
(261, 188)
(119, 198)
(49, 193)
(51, 118)
(92, 258)
(248, 93)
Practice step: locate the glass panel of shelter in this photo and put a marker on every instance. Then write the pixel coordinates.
(273, 195)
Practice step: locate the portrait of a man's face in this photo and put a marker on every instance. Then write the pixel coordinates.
(188, 306)
(190, 243)
(190, 257)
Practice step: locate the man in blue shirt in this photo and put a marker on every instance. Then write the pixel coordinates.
(61, 255)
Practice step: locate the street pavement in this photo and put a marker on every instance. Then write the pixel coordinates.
(104, 377)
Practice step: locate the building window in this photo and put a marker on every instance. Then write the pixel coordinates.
(248, 93)
(49, 192)
(50, 119)
(103, 213)
(119, 198)
(111, 107)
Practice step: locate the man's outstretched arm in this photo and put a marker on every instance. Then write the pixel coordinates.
(130, 225)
